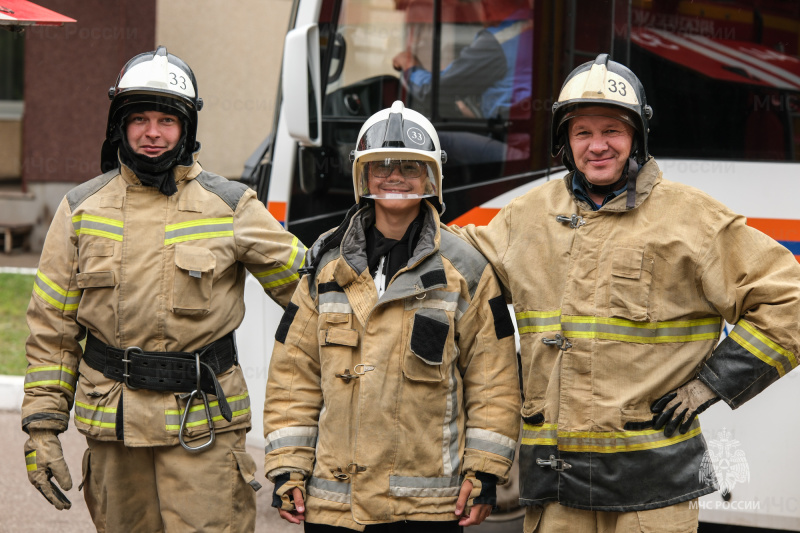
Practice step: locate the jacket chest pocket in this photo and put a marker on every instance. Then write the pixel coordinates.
(426, 351)
(337, 343)
(629, 288)
(191, 286)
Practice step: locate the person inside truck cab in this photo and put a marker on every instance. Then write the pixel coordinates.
(489, 79)
(392, 401)
(622, 282)
(148, 262)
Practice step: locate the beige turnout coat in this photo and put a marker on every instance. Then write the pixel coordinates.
(385, 404)
(616, 308)
(137, 268)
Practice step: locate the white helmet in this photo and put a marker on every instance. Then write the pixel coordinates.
(155, 78)
(398, 135)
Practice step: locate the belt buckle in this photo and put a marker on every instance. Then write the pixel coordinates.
(126, 365)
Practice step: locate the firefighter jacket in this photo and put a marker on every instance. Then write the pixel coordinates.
(616, 308)
(385, 404)
(163, 273)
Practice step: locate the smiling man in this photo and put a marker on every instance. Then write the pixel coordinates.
(392, 396)
(148, 262)
(621, 281)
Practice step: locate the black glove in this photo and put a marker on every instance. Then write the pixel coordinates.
(678, 409)
(488, 493)
(282, 493)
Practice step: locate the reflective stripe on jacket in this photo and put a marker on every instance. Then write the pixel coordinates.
(385, 404)
(616, 308)
(137, 268)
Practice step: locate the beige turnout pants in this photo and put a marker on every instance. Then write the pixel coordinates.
(167, 488)
(556, 518)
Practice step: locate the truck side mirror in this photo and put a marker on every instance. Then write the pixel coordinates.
(301, 68)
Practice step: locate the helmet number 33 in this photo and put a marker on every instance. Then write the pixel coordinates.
(615, 86)
(181, 81)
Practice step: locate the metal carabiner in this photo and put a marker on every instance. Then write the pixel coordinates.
(207, 407)
(575, 221)
(561, 342)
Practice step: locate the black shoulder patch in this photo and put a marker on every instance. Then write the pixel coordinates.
(229, 191)
(503, 327)
(286, 322)
(330, 286)
(433, 278)
(79, 194)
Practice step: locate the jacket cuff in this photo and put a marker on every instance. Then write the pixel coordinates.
(744, 364)
(475, 461)
(276, 464)
(58, 422)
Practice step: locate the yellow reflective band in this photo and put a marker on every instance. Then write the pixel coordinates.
(538, 321)
(771, 353)
(628, 441)
(101, 220)
(96, 408)
(30, 461)
(80, 230)
(59, 290)
(49, 368)
(96, 423)
(52, 301)
(50, 382)
(590, 327)
(200, 407)
(290, 264)
(204, 228)
(544, 435)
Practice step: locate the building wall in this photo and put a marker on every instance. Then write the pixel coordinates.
(68, 71)
(235, 51)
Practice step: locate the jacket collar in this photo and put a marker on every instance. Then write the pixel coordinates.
(353, 251)
(180, 172)
(649, 176)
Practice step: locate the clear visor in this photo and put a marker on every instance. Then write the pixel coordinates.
(390, 179)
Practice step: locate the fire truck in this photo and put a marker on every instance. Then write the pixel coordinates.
(723, 78)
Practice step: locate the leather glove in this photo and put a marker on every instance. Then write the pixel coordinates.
(282, 494)
(44, 459)
(678, 409)
(484, 489)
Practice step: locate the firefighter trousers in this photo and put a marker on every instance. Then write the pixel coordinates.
(557, 518)
(166, 488)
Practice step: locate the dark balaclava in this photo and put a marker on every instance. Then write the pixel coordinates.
(154, 171)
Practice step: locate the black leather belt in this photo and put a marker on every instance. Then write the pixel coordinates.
(166, 371)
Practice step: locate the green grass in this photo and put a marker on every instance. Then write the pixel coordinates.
(15, 293)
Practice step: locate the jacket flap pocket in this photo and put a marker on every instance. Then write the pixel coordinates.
(247, 468)
(340, 336)
(627, 263)
(194, 259)
(87, 280)
(99, 249)
(429, 335)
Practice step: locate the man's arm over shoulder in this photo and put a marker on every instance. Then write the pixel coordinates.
(272, 254)
(754, 282)
(492, 241)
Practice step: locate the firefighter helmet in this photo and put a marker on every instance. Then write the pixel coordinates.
(156, 78)
(602, 82)
(395, 138)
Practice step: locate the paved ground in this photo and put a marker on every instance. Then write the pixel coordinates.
(24, 510)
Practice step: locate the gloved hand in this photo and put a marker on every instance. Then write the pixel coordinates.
(679, 408)
(45, 459)
(289, 496)
(477, 498)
